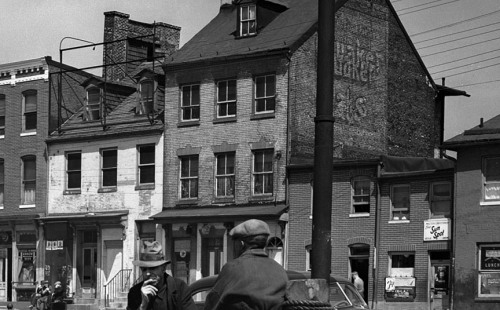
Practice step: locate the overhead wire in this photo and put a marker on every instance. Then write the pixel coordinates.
(430, 7)
(460, 59)
(465, 65)
(419, 5)
(459, 47)
(455, 40)
(454, 33)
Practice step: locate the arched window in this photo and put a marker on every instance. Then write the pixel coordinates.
(275, 249)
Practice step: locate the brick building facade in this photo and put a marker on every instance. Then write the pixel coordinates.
(396, 245)
(26, 117)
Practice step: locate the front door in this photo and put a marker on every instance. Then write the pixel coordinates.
(89, 261)
(3, 274)
(440, 280)
(212, 251)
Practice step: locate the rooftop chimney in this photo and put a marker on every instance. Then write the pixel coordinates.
(481, 123)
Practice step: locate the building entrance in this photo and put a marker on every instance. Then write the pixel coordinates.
(360, 261)
(439, 280)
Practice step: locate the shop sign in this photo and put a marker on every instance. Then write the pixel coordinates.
(54, 245)
(490, 258)
(436, 229)
(399, 289)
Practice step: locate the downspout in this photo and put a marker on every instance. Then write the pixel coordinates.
(454, 237)
(441, 118)
(287, 151)
(377, 239)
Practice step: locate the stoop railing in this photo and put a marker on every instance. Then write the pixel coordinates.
(119, 283)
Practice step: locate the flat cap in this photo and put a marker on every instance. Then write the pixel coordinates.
(249, 228)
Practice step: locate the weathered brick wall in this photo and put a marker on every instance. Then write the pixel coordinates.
(241, 132)
(118, 26)
(371, 81)
(474, 224)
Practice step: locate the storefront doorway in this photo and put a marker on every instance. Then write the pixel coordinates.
(88, 263)
(359, 260)
(212, 250)
(439, 278)
(5, 274)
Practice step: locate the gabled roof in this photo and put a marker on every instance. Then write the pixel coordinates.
(484, 133)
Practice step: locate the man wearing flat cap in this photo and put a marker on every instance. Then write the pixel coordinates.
(253, 280)
(158, 290)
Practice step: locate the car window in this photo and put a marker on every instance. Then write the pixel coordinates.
(201, 295)
(337, 296)
(352, 294)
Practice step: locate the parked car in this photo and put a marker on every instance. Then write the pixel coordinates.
(343, 294)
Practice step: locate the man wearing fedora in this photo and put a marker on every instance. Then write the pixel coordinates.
(253, 280)
(158, 291)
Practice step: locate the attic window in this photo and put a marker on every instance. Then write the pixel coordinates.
(146, 91)
(93, 104)
(248, 21)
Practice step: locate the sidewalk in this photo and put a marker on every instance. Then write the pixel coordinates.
(20, 305)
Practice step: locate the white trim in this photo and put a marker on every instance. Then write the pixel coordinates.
(27, 206)
(489, 203)
(398, 221)
(364, 214)
(2, 136)
(30, 133)
(1, 207)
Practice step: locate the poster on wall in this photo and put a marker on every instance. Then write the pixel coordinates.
(26, 265)
(441, 274)
(400, 289)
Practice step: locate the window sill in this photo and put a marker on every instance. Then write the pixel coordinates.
(219, 120)
(361, 214)
(261, 198)
(398, 221)
(27, 206)
(187, 202)
(489, 203)
(144, 187)
(262, 116)
(72, 192)
(487, 299)
(223, 200)
(188, 123)
(2, 136)
(25, 134)
(107, 190)
(1, 207)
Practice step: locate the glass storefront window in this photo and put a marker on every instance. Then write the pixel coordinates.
(489, 271)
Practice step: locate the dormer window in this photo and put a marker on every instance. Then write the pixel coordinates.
(93, 104)
(146, 93)
(248, 20)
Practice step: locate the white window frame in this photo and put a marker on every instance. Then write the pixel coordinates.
(268, 98)
(3, 102)
(437, 199)
(30, 92)
(147, 104)
(91, 108)
(355, 180)
(246, 21)
(105, 170)
(226, 102)
(485, 274)
(192, 106)
(226, 176)
(75, 171)
(263, 173)
(189, 178)
(146, 165)
(407, 271)
(31, 198)
(493, 183)
(2, 182)
(404, 212)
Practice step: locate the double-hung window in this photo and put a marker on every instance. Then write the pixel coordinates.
(2, 115)
(29, 180)
(93, 104)
(440, 198)
(248, 20)
(265, 93)
(73, 170)
(262, 173)
(226, 98)
(489, 270)
(146, 164)
(109, 163)
(400, 202)
(190, 103)
(2, 181)
(491, 176)
(360, 195)
(224, 175)
(29, 110)
(146, 90)
(189, 177)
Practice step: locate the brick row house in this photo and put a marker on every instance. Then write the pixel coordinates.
(240, 107)
(476, 236)
(26, 117)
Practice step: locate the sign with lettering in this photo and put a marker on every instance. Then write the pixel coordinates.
(490, 258)
(437, 229)
(492, 191)
(54, 245)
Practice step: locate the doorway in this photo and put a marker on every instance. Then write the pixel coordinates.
(212, 250)
(359, 261)
(88, 264)
(439, 280)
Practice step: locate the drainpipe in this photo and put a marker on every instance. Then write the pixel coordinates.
(377, 239)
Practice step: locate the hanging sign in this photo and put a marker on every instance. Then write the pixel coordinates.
(54, 245)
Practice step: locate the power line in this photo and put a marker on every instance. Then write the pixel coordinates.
(472, 70)
(474, 84)
(454, 24)
(456, 48)
(419, 5)
(430, 7)
(450, 34)
(454, 40)
(469, 64)
(457, 60)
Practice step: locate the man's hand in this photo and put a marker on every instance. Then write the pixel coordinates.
(148, 290)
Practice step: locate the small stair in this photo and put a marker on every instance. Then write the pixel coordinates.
(83, 304)
(119, 303)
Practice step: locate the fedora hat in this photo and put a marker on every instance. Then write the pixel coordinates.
(151, 255)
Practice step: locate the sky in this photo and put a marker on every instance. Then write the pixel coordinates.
(457, 39)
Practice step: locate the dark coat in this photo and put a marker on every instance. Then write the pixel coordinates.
(251, 281)
(171, 296)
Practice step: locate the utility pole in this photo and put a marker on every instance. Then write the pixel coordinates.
(323, 145)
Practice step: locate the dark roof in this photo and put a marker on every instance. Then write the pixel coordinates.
(148, 66)
(217, 39)
(487, 132)
(396, 166)
(121, 121)
(448, 91)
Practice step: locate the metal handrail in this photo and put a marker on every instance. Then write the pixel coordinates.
(119, 283)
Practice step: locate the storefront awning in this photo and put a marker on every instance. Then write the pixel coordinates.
(219, 214)
(83, 217)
